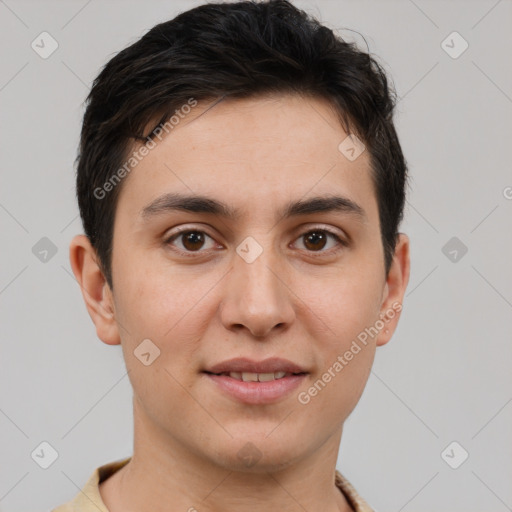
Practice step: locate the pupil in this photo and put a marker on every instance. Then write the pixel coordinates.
(193, 240)
(314, 237)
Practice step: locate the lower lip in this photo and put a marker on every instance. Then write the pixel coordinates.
(257, 392)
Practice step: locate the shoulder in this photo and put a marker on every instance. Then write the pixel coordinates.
(352, 496)
(89, 498)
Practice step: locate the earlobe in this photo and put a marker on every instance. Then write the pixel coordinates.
(394, 290)
(96, 292)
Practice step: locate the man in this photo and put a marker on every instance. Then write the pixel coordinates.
(241, 185)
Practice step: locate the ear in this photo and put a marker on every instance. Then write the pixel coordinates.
(95, 289)
(394, 290)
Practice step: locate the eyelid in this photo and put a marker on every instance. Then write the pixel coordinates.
(186, 228)
(324, 227)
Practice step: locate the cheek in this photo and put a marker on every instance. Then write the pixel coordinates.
(164, 310)
(156, 299)
(335, 392)
(346, 355)
(345, 303)
(170, 308)
(347, 308)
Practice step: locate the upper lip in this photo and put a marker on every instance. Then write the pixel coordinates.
(271, 365)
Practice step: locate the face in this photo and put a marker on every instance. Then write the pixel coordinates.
(260, 326)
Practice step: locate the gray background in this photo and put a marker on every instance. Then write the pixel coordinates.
(446, 374)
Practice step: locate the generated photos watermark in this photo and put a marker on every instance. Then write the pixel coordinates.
(304, 397)
(142, 151)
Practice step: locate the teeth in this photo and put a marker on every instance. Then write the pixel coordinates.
(265, 377)
(256, 377)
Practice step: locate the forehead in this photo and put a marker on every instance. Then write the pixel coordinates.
(255, 153)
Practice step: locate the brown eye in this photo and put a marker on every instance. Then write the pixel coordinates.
(191, 240)
(316, 240)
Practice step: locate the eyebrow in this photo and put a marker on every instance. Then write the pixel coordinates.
(202, 204)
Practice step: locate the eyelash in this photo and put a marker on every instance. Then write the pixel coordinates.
(184, 231)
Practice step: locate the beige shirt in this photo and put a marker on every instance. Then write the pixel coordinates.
(89, 498)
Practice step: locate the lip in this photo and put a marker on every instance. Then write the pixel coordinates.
(270, 365)
(256, 393)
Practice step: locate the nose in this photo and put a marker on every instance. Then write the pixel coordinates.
(256, 297)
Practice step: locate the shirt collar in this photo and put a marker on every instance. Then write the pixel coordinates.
(89, 498)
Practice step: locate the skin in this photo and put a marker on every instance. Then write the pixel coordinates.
(300, 301)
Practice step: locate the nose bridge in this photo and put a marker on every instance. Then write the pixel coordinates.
(259, 276)
(254, 267)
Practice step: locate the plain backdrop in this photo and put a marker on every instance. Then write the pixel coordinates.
(445, 376)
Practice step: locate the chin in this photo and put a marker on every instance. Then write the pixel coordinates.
(256, 454)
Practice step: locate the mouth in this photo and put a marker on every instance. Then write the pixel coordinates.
(253, 382)
(242, 365)
(256, 377)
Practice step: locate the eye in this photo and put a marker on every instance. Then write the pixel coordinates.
(315, 240)
(192, 240)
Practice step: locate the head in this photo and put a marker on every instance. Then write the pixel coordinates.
(227, 216)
